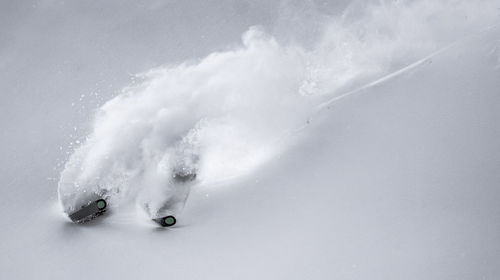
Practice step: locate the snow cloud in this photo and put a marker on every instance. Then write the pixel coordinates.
(224, 116)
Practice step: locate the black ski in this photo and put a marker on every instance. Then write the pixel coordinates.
(167, 221)
(89, 211)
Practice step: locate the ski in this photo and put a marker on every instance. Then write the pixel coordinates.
(89, 211)
(167, 221)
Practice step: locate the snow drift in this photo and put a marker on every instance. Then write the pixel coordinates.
(229, 113)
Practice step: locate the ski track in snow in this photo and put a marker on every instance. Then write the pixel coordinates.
(385, 78)
(401, 71)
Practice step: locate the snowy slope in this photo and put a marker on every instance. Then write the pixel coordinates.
(396, 181)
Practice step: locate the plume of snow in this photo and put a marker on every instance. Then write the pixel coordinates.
(226, 115)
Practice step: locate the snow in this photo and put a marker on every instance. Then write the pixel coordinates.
(370, 154)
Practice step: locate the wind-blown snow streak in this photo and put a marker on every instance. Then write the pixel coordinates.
(220, 117)
(387, 77)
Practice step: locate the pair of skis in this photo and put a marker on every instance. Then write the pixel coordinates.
(97, 207)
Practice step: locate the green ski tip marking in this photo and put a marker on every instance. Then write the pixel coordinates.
(169, 221)
(101, 204)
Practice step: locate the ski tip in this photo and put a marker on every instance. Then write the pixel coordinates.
(183, 178)
(101, 204)
(89, 212)
(166, 221)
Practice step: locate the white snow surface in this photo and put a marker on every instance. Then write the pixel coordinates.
(365, 147)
